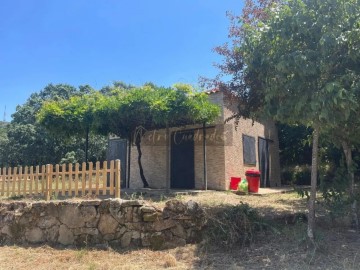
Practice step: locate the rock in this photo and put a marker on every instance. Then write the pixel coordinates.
(161, 225)
(150, 217)
(52, 209)
(70, 216)
(132, 203)
(157, 241)
(47, 222)
(88, 231)
(88, 213)
(126, 239)
(35, 235)
(121, 231)
(6, 230)
(129, 214)
(93, 223)
(115, 203)
(136, 215)
(76, 217)
(145, 242)
(175, 242)
(90, 203)
(135, 235)
(179, 231)
(52, 234)
(107, 224)
(135, 226)
(109, 237)
(175, 206)
(117, 213)
(66, 237)
(104, 206)
(148, 209)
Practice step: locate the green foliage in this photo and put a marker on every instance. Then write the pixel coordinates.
(72, 116)
(29, 143)
(153, 108)
(296, 175)
(233, 225)
(304, 59)
(70, 157)
(334, 187)
(294, 144)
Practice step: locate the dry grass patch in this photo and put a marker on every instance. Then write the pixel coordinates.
(45, 257)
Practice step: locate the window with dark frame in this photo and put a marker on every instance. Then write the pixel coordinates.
(249, 150)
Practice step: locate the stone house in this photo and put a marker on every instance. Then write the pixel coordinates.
(194, 164)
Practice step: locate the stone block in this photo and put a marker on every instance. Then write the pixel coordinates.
(107, 224)
(165, 224)
(47, 222)
(35, 235)
(126, 239)
(150, 217)
(66, 237)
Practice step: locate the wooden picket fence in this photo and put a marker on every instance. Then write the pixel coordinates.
(64, 180)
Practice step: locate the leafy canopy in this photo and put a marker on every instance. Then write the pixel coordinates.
(154, 107)
(68, 117)
(304, 60)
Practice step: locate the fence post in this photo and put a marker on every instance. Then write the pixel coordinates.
(47, 188)
(117, 178)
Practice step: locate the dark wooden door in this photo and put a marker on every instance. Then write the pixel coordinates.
(117, 149)
(182, 160)
(264, 162)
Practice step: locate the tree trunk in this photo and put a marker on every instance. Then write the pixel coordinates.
(138, 144)
(348, 158)
(314, 169)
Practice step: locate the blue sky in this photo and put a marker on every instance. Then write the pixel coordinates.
(99, 41)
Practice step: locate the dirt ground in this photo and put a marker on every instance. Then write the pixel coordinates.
(283, 247)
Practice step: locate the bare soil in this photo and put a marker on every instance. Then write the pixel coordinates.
(284, 246)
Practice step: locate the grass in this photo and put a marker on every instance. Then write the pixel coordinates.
(285, 247)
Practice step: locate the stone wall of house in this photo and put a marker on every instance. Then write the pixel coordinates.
(114, 222)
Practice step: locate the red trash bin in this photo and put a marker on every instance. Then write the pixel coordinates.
(234, 182)
(253, 178)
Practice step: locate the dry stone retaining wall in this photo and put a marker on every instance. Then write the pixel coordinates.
(115, 222)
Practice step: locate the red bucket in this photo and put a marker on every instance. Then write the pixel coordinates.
(234, 182)
(253, 178)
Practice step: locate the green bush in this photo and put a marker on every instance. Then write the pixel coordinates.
(297, 175)
(230, 225)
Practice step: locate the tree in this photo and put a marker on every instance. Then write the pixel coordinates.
(132, 111)
(116, 85)
(71, 117)
(298, 64)
(28, 143)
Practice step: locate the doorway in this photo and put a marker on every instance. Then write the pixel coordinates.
(264, 162)
(182, 160)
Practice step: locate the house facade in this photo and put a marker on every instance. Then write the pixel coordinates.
(227, 151)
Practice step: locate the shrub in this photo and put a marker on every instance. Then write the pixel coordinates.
(230, 225)
(297, 175)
